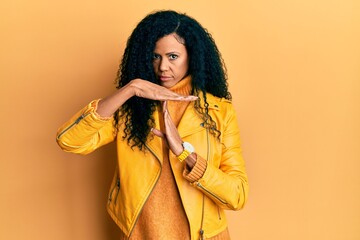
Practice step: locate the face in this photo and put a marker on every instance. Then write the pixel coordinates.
(170, 60)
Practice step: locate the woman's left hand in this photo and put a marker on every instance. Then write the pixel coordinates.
(171, 134)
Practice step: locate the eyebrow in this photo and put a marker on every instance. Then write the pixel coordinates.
(169, 53)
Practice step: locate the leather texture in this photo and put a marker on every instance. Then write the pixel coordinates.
(224, 185)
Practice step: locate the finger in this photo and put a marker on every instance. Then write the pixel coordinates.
(170, 128)
(172, 134)
(161, 135)
(188, 98)
(166, 94)
(158, 133)
(181, 98)
(164, 106)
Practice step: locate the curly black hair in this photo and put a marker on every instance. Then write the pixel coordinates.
(206, 68)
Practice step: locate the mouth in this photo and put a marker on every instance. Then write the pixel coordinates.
(164, 78)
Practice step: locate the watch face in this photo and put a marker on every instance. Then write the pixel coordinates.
(188, 147)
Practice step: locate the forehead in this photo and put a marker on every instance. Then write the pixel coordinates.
(170, 42)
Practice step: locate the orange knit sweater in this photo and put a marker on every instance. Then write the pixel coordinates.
(163, 216)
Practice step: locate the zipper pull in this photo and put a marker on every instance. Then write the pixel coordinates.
(79, 119)
(118, 183)
(112, 191)
(201, 234)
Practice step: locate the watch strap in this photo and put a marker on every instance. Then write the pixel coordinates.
(183, 155)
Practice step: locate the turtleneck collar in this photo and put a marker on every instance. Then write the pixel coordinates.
(183, 87)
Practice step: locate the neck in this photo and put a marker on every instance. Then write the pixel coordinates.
(183, 87)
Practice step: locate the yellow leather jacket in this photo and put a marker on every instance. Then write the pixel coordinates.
(224, 184)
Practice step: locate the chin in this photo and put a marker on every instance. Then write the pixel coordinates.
(167, 84)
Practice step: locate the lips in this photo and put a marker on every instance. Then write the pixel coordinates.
(164, 78)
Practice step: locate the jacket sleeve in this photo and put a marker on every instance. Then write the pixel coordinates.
(227, 185)
(85, 131)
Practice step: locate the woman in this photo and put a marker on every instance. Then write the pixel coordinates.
(179, 159)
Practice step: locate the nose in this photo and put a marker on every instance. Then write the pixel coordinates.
(164, 65)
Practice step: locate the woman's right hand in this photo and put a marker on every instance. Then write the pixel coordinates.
(140, 88)
(149, 90)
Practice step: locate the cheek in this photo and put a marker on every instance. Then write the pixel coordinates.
(184, 66)
(155, 66)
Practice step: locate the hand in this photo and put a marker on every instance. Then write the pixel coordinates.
(149, 90)
(141, 88)
(171, 134)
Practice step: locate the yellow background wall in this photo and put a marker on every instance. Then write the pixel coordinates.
(295, 78)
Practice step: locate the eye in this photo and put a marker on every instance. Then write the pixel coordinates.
(156, 56)
(173, 56)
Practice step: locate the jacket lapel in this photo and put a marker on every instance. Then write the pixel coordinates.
(190, 122)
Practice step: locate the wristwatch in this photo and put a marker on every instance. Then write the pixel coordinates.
(188, 149)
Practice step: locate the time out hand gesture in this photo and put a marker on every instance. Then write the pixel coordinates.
(172, 137)
(149, 90)
(171, 134)
(140, 88)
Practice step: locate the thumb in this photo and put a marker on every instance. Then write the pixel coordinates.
(158, 133)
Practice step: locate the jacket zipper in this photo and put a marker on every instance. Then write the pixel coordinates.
(158, 177)
(112, 191)
(202, 218)
(203, 202)
(72, 125)
(212, 194)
